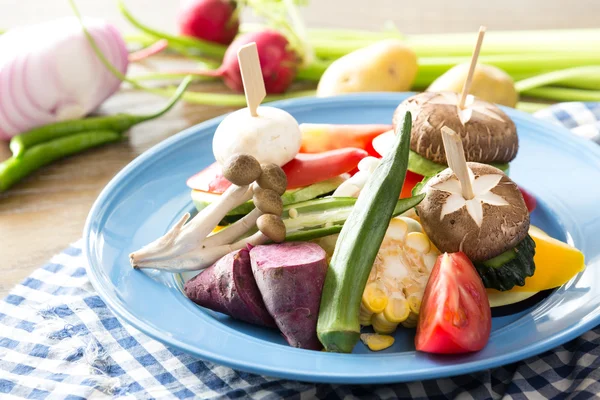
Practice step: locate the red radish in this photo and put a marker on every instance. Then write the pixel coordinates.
(278, 62)
(211, 20)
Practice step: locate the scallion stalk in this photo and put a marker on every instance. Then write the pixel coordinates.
(563, 94)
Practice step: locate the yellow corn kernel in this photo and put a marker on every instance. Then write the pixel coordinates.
(411, 321)
(374, 298)
(382, 325)
(419, 242)
(397, 230)
(376, 342)
(397, 310)
(293, 213)
(364, 317)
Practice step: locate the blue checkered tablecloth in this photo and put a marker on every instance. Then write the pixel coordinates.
(58, 340)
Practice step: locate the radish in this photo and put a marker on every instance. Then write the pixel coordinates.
(211, 20)
(278, 62)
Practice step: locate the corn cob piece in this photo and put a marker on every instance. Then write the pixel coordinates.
(398, 278)
(376, 342)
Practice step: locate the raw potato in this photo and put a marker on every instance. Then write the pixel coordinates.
(228, 287)
(386, 66)
(290, 277)
(489, 83)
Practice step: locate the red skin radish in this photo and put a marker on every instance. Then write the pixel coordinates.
(211, 20)
(290, 277)
(279, 64)
(228, 287)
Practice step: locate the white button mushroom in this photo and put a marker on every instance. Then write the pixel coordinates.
(272, 137)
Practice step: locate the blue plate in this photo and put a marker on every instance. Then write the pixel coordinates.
(150, 194)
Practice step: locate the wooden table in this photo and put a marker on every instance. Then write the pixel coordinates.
(46, 212)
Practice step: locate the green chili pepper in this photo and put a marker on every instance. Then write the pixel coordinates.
(15, 169)
(117, 123)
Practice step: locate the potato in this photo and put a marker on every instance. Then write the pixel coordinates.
(489, 83)
(385, 66)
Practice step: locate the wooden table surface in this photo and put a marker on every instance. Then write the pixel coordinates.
(43, 214)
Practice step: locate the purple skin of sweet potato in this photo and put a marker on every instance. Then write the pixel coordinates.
(290, 277)
(228, 287)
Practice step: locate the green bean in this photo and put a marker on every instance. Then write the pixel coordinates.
(15, 169)
(118, 123)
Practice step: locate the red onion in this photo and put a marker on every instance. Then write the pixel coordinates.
(49, 72)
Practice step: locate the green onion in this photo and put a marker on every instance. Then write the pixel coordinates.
(589, 76)
(564, 94)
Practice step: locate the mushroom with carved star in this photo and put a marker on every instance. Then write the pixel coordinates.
(477, 209)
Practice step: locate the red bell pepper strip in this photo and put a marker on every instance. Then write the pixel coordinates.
(303, 170)
(306, 169)
(530, 200)
(317, 138)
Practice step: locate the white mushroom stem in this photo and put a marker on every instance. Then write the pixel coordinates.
(234, 231)
(455, 155)
(185, 238)
(202, 256)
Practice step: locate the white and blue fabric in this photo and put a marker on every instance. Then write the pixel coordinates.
(58, 340)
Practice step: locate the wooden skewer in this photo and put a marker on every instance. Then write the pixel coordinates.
(474, 57)
(455, 155)
(254, 85)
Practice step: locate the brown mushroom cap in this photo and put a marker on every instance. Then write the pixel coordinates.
(488, 134)
(273, 178)
(502, 227)
(267, 201)
(272, 227)
(241, 169)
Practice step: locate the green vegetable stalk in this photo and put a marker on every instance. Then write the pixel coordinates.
(338, 326)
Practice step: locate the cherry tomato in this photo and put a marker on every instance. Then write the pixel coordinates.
(303, 170)
(530, 200)
(455, 314)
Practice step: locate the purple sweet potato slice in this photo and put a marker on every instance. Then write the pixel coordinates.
(228, 287)
(290, 277)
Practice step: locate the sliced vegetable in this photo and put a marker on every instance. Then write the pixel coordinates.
(398, 278)
(359, 241)
(519, 264)
(203, 199)
(228, 287)
(376, 342)
(290, 278)
(556, 263)
(455, 313)
(306, 169)
(530, 200)
(317, 138)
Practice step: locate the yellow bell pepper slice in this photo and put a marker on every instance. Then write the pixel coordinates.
(556, 263)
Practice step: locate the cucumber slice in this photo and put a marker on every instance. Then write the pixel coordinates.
(501, 259)
(423, 166)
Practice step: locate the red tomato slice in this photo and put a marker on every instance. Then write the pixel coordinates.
(209, 180)
(530, 200)
(455, 314)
